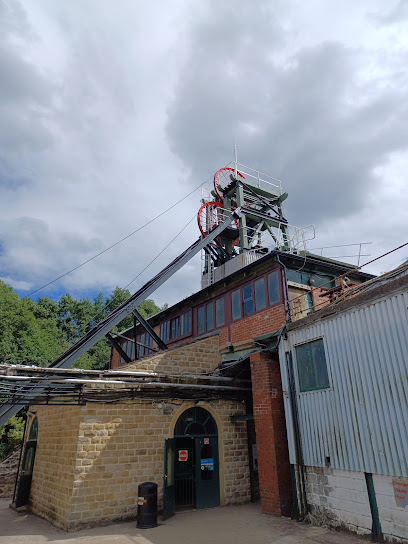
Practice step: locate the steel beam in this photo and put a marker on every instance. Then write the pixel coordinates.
(118, 347)
(67, 359)
(150, 330)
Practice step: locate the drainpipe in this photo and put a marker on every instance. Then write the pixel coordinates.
(376, 531)
(285, 281)
(300, 480)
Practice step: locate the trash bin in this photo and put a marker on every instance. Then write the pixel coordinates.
(147, 505)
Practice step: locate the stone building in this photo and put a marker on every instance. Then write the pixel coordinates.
(215, 394)
(193, 400)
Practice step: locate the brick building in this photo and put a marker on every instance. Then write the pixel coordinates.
(243, 314)
(194, 398)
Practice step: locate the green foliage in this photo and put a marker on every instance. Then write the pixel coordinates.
(37, 333)
(11, 435)
(27, 338)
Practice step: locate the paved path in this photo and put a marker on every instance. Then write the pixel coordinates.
(229, 525)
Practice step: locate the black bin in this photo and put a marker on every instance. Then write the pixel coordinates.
(147, 505)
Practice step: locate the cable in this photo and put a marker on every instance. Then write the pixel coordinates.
(73, 337)
(150, 263)
(118, 242)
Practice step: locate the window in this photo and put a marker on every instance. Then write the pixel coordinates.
(146, 342)
(236, 304)
(200, 320)
(175, 327)
(165, 331)
(260, 295)
(34, 430)
(128, 347)
(312, 366)
(210, 316)
(185, 323)
(273, 287)
(247, 299)
(219, 312)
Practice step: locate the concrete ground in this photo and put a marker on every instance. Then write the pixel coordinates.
(229, 525)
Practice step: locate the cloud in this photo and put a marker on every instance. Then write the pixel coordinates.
(109, 114)
(396, 14)
(20, 285)
(323, 117)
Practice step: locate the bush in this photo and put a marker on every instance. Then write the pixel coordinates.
(11, 435)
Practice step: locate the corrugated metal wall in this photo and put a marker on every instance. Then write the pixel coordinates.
(361, 422)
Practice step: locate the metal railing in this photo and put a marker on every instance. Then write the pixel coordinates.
(359, 253)
(257, 178)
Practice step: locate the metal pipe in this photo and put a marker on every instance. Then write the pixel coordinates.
(137, 374)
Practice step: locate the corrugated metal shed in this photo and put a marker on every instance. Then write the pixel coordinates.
(361, 422)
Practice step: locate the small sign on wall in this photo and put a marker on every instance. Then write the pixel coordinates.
(207, 464)
(400, 486)
(206, 440)
(183, 455)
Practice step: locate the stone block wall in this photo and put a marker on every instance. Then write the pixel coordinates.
(338, 498)
(55, 461)
(91, 459)
(196, 357)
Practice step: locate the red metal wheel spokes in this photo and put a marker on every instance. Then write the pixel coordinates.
(210, 216)
(222, 179)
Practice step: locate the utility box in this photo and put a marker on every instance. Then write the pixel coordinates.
(146, 505)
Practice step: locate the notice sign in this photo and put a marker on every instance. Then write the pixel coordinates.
(400, 486)
(183, 455)
(206, 440)
(207, 464)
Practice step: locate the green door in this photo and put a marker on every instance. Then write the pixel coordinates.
(207, 474)
(24, 483)
(169, 504)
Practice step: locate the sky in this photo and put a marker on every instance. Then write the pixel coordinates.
(112, 111)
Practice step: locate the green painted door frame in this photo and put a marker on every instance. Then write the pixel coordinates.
(169, 502)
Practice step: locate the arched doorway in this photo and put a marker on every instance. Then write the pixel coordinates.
(191, 478)
(26, 475)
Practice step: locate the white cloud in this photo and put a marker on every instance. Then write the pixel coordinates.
(109, 113)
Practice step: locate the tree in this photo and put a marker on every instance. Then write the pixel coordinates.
(25, 337)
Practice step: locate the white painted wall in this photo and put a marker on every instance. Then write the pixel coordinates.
(339, 498)
(393, 518)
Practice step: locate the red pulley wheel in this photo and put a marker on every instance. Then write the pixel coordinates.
(209, 216)
(222, 179)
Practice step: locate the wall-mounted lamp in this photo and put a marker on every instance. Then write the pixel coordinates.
(168, 409)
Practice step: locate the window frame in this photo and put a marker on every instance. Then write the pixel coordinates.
(251, 282)
(181, 319)
(328, 387)
(128, 347)
(146, 339)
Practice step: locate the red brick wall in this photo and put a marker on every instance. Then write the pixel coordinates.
(243, 329)
(273, 456)
(258, 324)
